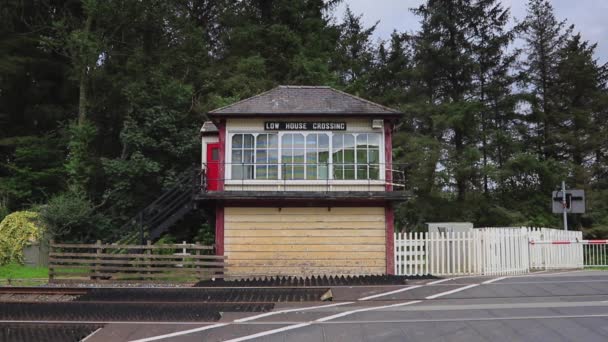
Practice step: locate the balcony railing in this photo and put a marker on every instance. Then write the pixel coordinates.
(303, 176)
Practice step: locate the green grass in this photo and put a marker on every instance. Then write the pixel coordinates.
(597, 268)
(16, 271)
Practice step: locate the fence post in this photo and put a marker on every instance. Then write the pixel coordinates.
(197, 252)
(148, 256)
(51, 267)
(98, 251)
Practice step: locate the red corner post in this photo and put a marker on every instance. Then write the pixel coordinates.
(219, 208)
(389, 212)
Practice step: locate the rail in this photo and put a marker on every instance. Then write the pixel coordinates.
(300, 176)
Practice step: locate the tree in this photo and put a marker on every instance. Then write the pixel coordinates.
(544, 36)
(354, 53)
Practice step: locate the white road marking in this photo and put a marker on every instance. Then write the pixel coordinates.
(451, 291)
(440, 281)
(346, 313)
(320, 320)
(269, 332)
(179, 333)
(465, 319)
(493, 280)
(390, 292)
(90, 335)
(272, 313)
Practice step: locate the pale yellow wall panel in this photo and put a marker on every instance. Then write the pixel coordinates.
(304, 248)
(300, 211)
(309, 232)
(349, 225)
(308, 263)
(303, 218)
(333, 255)
(300, 271)
(305, 240)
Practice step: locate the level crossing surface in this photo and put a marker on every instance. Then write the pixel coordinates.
(548, 306)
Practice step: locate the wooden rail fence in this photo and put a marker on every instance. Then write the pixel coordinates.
(128, 262)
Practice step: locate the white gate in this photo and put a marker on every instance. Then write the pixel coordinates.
(555, 255)
(490, 251)
(481, 251)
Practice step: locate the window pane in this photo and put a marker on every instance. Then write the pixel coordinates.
(374, 172)
(273, 172)
(338, 172)
(323, 157)
(311, 171)
(349, 141)
(273, 156)
(322, 171)
(287, 171)
(374, 156)
(323, 141)
(373, 139)
(273, 141)
(298, 140)
(237, 156)
(237, 171)
(362, 172)
(262, 141)
(349, 171)
(248, 169)
(338, 157)
(298, 172)
(260, 172)
(248, 140)
(337, 141)
(298, 156)
(361, 156)
(311, 157)
(349, 156)
(237, 141)
(287, 141)
(311, 141)
(261, 157)
(361, 140)
(248, 156)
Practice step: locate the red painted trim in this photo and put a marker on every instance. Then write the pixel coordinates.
(388, 153)
(302, 203)
(389, 214)
(219, 230)
(222, 141)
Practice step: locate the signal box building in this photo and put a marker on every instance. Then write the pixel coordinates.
(302, 182)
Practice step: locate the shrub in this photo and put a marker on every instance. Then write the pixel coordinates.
(17, 230)
(71, 217)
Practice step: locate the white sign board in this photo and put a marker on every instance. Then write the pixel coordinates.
(575, 202)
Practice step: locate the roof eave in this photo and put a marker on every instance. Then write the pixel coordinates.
(308, 114)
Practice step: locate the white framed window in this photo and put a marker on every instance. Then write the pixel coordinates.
(356, 155)
(305, 156)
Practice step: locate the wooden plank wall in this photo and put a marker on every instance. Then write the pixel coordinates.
(304, 241)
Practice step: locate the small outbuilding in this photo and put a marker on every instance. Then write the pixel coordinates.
(302, 183)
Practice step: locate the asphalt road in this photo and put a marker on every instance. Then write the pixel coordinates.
(568, 306)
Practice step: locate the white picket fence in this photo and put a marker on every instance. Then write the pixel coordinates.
(484, 251)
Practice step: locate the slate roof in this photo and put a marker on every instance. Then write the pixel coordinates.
(304, 100)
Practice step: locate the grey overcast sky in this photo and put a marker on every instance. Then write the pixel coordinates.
(590, 17)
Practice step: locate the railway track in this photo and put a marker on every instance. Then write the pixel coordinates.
(186, 295)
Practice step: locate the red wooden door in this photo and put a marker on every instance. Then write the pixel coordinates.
(213, 166)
